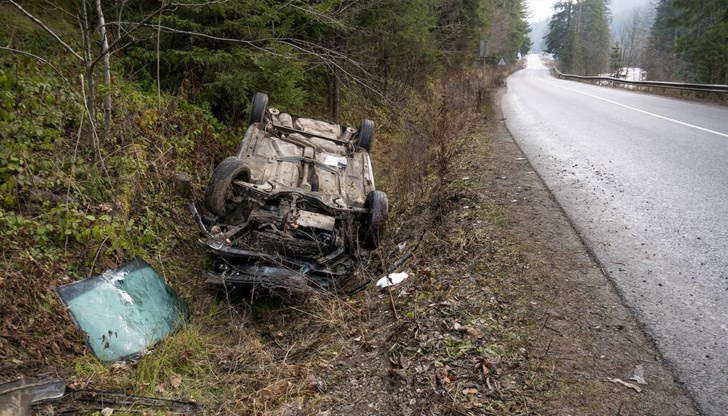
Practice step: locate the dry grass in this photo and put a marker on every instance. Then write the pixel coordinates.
(295, 356)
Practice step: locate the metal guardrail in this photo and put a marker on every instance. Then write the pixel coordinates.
(714, 88)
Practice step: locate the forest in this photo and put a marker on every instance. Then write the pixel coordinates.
(220, 52)
(675, 40)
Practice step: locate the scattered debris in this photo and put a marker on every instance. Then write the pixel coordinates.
(639, 375)
(124, 310)
(391, 279)
(397, 373)
(108, 403)
(17, 396)
(626, 384)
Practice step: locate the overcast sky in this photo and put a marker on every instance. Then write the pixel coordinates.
(540, 9)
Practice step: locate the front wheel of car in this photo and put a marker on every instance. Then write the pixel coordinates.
(378, 205)
(220, 182)
(366, 134)
(258, 108)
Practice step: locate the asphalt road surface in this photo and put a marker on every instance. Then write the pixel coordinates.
(644, 179)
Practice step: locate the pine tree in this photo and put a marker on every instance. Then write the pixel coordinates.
(509, 33)
(663, 61)
(615, 59)
(592, 20)
(461, 24)
(559, 28)
(579, 36)
(704, 41)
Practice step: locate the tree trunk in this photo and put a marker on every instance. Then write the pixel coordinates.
(336, 96)
(88, 86)
(107, 68)
(159, 84)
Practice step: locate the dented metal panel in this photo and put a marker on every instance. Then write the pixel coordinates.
(314, 164)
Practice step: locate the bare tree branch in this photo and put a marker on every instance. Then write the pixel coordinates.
(329, 57)
(38, 58)
(59, 8)
(206, 3)
(127, 33)
(107, 68)
(322, 17)
(159, 84)
(47, 29)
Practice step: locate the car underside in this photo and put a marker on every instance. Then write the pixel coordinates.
(294, 207)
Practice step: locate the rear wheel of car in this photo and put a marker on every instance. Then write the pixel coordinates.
(366, 134)
(378, 206)
(222, 178)
(258, 108)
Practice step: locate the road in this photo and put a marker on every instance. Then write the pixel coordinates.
(644, 180)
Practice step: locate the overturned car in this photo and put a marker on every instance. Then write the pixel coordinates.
(295, 206)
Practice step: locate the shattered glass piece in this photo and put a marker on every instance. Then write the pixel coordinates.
(124, 310)
(18, 395)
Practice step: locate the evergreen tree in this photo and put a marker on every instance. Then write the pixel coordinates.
(461, 24)
(663, 61)
(220, 54)
(704, 40)
(592, 30)
(509, 32)
(310, 52)
(615, 59)
(579, 36)
(559, 28)
(395, 39)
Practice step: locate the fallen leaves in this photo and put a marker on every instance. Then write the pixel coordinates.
(397, 373)
(175, 381)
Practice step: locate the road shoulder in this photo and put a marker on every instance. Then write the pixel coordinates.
(586, 336)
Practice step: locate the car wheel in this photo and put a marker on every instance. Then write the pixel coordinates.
(258, 108)
(378, 206)
(366, 134)
(217, 189)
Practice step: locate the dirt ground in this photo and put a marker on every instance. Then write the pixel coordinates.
(506, 314)
(586, 336)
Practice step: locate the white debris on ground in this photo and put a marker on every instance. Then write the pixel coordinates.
(639, 375)
(625, 384)
(391, 280)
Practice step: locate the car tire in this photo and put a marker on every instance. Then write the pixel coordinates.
(366, 134)
(378, 205)
(258, 108)
(217, 189)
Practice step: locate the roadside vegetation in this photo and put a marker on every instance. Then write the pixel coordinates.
(90, 148)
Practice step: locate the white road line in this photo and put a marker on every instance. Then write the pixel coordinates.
(682, 123)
